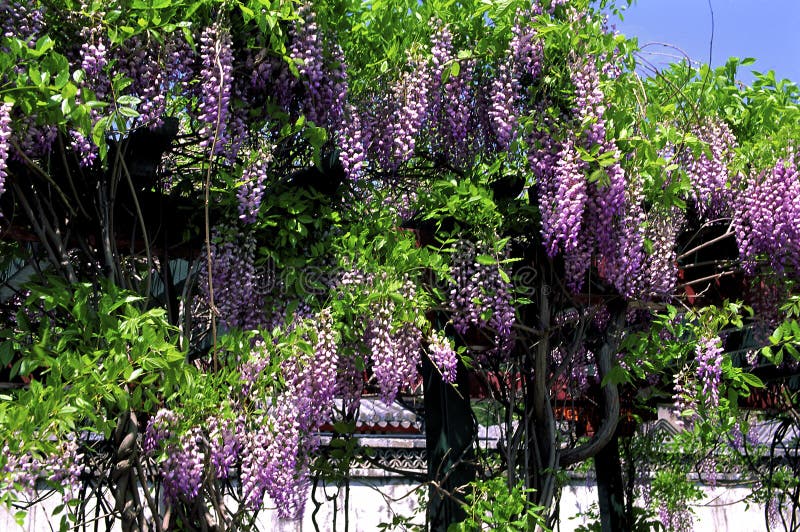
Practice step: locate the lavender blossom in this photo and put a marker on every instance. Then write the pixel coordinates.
(5, 135)
(712, 190)
(160, 428)
(251, 192)
(443, 357)
(351, 142)
(768, 222)
(182, 471)
(215, 97)
(325, 88)
(708, 354)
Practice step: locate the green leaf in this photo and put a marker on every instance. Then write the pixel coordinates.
(128, 112)
(44, 45)
(752, 381)
(128, 100)
(485, 260)
(135, 374)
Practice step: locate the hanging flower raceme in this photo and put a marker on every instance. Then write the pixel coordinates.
(712, 192)
(411, 95)
(63, 467)
(276, 447)
(522, 62)
(623, 267)
(562, 200)
(238, 287)
(452, 100)
(607, 196)
(216, 81)
(480, 297)
(443, 356)
(708, 354)
(313, 377)
(351, 143)
(383, 350)
(224, 447)
(589, 101)
(182, 470)
(251, 192)
(140, 61)
(86, 150)
(685, 397)
(767, 221)
(325, 87)
(455, 124)
(160, 428)
(5, 140)
(502, 112)
(287, 474)
(21, 21)
(659, 276)
(94, 59)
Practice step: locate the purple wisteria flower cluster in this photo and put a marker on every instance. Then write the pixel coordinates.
(215, 93)
(272, 440)
(351, 142)
(562, 200)
(443, 356)
(523, 61)
(182, 471)
(66, 466)
(160, 428)
(708, 355)
(5, 141)
(767, 222)
(676, 520)
(312, 377)
(140, 62)
(480, 297)
(451, 108)
(606, 205)
(23, 470)
(712, 188)
(62, 468)
(278, 462)
(252, 190)
(570, 204)
(224, 446)
(659, 276)
(21, 20)
(589, 101)
(238, 297)
(408, 112)
(684, 397)
(94, 59)
(394, 352)
(381, 346)
(325, 84)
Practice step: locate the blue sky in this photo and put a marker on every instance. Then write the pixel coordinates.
(768, 30)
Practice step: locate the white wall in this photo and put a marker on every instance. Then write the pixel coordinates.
(376, 500)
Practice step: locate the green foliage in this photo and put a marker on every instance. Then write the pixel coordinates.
(88, 357)
(786, 336)
(491, 504)
(672, 487)
(88, 353)
(642, 520)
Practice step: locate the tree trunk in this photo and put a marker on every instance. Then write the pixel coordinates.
(610, 490)
(450, 433)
